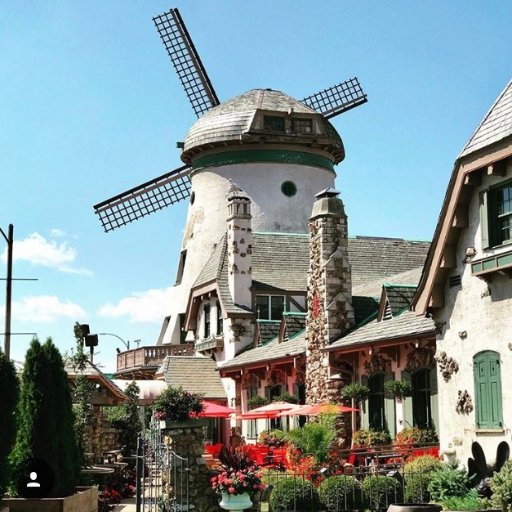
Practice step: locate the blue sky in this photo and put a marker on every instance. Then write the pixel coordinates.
(91, 107)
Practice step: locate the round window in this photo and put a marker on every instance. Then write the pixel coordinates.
(192, 197)
(288, 188)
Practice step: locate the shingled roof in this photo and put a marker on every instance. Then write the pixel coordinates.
(406, 325)
(271, 351)
(280, 261)
(193, 374)
(496, 125)
(399, 297)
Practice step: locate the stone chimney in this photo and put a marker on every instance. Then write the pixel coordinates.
(239, 246)
(330, 311)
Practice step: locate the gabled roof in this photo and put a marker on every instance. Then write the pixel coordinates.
(194, 374)
(490, 144)
(269, 352)
(406, 326)
(496, 125)
(398, 297)
(266, 330)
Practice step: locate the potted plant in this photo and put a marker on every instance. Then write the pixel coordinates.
(45, 432)
(175, 405)
(416, 435)
(368, 437)
(398, 389)
(9, 391)
(355, 391)
(237, 482)
(256, 401)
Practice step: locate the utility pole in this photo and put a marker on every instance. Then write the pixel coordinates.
(8, 290)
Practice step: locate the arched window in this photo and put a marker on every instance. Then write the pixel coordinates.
(376, 412)
(487, 374)
(422, 415)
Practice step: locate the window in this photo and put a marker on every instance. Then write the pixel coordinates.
(274, 123)
(220, 321)
(206, 312)
(181, 266)
(269, 307)
(288, 188)
(272, 393)
(487, 374)
(376, 402)
(496, 215)
(421, 412)
(301, 125)
(252, 430)
(183, 332)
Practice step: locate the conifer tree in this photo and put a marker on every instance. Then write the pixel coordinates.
(9, 391)
(46, 420)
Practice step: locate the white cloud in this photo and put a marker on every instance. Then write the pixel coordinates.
(40, 251)
(149, 306)
(46, 308)
(57, 233)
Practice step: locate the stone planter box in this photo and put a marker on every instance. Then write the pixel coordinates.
(85, 500)
(167, 425)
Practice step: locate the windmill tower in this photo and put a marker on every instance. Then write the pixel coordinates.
(279, 151)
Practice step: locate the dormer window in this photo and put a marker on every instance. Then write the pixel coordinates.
(302, 125)
(496, 215)
(274, 123)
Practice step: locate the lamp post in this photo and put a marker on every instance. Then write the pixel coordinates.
(9, 238)
(126, 343)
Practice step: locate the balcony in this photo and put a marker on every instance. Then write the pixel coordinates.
(211, 344)
(146, 360)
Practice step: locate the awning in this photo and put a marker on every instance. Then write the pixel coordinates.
(316, 409)
(213, 410)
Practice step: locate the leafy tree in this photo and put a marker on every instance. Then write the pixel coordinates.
(84, 414)
(45, 417)
(9, 392)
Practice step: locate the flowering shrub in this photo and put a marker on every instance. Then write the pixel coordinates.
(369, 437)
(275, 438)
(415, 435)
(237, 481)
(176, 404)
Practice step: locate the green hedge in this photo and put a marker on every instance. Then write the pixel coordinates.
(340, 492)
(294, 494)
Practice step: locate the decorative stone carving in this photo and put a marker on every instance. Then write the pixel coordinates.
(250, 380)
(238, 330)
(447, 365)
(275, 377)
(422, 357)
(464, 403)
(377, 364)
(439, 326)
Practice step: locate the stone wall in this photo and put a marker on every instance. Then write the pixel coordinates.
(187, 441)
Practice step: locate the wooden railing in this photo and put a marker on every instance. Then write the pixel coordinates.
(151, 356)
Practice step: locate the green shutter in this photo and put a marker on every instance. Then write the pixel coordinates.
(390, 408)
(434, 399)
(365, 419)
(488, 400)
(484, 219)
(407, 403)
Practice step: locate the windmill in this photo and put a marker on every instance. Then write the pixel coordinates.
(175, 186)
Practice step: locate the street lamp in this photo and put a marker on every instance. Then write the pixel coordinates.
(9, 238)
(126, 343)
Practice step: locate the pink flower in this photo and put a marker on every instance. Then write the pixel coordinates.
(232, 490)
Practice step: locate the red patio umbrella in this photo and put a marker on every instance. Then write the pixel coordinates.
(267, 411)
(213, 410)
(316, 409)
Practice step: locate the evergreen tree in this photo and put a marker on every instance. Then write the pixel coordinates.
(46, 420)
(130, 424)
(9, 391)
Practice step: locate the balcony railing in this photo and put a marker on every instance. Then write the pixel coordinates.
(147, 357)
(212, 343)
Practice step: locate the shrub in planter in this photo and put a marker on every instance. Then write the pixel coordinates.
(501, 487)
(381, 491)
(294, 494)
(415, 435)
(45, 421)
(342, 492)
(398, 388)
(275, 438)
(447, 482)
(256, 401)
(176, 404)
(471, 501)
(417, 474)
(9, 391)
(369, 437)
(355, 391)
(286, 397)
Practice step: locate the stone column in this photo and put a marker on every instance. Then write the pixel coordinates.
(330, 311)
(187, 440)
(239, 246)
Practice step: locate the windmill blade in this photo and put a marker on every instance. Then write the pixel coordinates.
(338, 98)
(186, 61)
(147, 198)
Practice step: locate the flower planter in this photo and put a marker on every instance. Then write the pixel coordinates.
(235, 502)
(84, 500)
